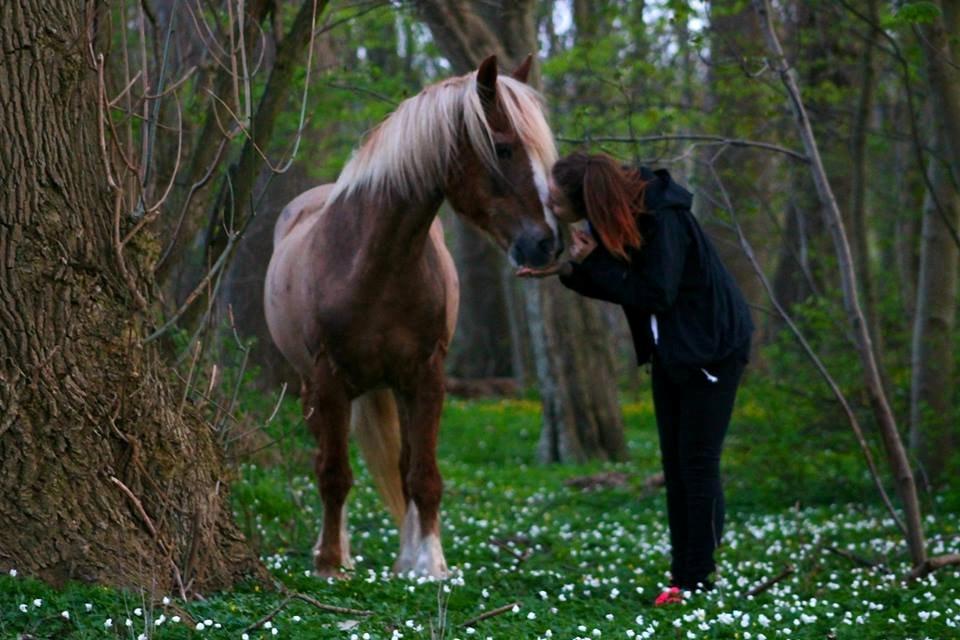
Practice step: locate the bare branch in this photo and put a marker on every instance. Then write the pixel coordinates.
(218, 265)
(153, 531)
(713, 139)
(808, 349)
(934, 563)
(896, 454)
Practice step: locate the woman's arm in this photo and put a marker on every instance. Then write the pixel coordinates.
(651, 281)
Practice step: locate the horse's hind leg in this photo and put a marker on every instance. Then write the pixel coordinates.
(421, 404)
(327, 412)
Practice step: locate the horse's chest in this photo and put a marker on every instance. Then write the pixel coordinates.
(383, 343)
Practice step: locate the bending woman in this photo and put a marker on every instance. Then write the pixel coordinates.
(643, 249)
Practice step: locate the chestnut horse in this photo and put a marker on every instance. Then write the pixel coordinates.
(361, 294)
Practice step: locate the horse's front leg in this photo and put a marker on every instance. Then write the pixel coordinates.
(327, 412)
(420, 406)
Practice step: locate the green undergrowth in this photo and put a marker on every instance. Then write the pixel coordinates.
(575, 562)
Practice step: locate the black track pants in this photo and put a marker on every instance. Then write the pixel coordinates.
(692, 418)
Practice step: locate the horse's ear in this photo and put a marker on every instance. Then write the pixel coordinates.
(487, 81)
(523, 69)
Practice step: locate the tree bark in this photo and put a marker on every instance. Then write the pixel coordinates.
(734, 35)
(933, 429)
(859, 228)
(932, 413)
(896, 454)
(102, 478)
(942, 60)
(574, 362)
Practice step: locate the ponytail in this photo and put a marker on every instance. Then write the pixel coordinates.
(611, 196)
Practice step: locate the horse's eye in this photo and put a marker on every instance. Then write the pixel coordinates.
(504, 152)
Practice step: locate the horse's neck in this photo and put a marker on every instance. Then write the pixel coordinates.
(392, 231)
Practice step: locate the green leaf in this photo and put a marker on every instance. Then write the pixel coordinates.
(911, 13)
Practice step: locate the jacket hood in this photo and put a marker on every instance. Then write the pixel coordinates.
(662, 192)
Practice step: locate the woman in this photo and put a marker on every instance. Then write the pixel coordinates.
(643, 249)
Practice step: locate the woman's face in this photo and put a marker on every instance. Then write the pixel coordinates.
(561, 206)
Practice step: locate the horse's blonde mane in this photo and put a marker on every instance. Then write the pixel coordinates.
(409, 153)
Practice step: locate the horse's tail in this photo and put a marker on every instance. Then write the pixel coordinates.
(376, 426)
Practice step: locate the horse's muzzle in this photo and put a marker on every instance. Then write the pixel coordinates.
(537, 249)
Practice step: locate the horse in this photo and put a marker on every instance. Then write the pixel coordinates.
(361, 293)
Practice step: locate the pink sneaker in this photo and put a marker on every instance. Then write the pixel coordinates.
(672, 595)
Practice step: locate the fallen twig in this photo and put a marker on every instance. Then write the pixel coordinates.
(854, 557)
(603, 480)
(311, 601)
(267, 618)
(520, 557)
(763, 586)
(489, 614)
(329, 607)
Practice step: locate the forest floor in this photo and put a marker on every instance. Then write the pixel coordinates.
(561, 551)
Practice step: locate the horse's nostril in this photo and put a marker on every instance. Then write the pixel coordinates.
(545, 245)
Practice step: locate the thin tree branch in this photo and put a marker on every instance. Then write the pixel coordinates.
(934, 563)
(723, 140)
(808, 349)
(896, 454)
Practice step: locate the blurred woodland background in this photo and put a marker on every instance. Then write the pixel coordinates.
(158, 140)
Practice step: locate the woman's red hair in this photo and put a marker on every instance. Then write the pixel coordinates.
(609, 194)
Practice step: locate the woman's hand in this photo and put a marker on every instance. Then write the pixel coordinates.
(583, 245)
(530, 272)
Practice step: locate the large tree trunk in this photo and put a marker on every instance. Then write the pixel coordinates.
(941, 53)
(581, 415)
(484, 344)
(102, 478)
(932, 414)
(859, 229)
(803, 260)
(933, 429)
(733, 36)
(574, 363)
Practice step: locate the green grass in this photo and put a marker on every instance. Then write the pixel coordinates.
(579, 564)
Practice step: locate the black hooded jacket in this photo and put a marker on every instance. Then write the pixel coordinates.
(674, 285)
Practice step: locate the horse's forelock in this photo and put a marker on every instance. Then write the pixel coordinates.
(524, 109)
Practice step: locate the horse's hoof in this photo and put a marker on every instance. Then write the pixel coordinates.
(421, 569)
(437, 572)
(336, 573)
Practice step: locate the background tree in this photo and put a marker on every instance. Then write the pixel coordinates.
(934, 431)
(574, 365)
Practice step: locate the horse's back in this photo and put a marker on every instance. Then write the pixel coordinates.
(283, 302)
(300, 211)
